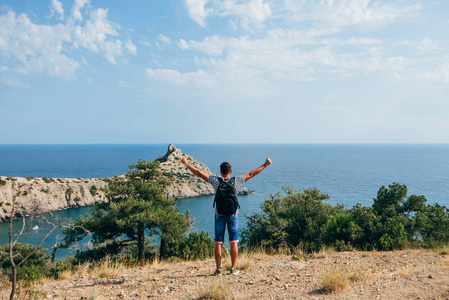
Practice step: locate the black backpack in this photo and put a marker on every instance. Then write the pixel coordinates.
(226, 197)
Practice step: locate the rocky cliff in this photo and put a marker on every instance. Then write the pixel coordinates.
(40, 194)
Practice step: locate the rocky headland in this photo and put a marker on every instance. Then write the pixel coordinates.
(37, 195)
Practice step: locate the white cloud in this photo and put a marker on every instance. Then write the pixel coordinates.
(122, 84)
(170, 75)
(12, 81)
(76, 9)
(28, 47)
(441, 73)
(348, 12)
(37, 48)
(181, 44)
(290, 54)
(197, 11)
(131, 47)
(57, 6)
(164, 39)
(248, 13)
(427, 45)
(251, 13)
(306, 41)
(93, 34)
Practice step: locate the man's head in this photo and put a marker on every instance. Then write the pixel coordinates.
(225, 168)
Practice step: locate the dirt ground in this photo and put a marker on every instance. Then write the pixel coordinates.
(408, 274)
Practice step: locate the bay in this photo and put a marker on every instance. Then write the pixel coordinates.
(349, 173)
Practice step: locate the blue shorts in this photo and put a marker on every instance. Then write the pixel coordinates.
(232, 223)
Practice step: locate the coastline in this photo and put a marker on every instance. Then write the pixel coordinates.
(38, 195)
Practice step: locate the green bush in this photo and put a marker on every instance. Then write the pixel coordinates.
(67, 263)
(297, 220)
(197, 246)
(35, 267)
(47, 180)
(93, 190)
(394, 221)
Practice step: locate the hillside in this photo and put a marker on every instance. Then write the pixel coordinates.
(408, 274)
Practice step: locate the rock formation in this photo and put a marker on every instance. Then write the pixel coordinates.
(40, 194)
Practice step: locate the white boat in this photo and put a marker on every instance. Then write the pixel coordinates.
(35, 227)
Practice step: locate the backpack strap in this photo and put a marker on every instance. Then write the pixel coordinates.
(220, 180)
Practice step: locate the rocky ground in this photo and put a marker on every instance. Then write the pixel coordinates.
(409, 274)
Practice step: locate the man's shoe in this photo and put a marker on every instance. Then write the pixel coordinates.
(217, 272)
(235, 272)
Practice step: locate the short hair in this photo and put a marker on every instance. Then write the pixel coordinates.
(225, 168)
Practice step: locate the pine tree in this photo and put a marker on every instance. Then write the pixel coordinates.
(137, 208)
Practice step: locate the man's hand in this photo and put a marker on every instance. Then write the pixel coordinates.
(184, 160)
(267, 162)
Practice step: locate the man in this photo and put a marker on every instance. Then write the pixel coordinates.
(223, 221)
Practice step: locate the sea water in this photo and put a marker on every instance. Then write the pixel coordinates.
(348, 173)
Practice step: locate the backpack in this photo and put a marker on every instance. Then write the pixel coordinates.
(226, 197)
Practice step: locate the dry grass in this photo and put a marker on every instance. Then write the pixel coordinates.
(107, 268)
(409, 271)
(66, 274)
(334, 280)
(444, 250)
(219, 289)
(325, 253)
(82, 270)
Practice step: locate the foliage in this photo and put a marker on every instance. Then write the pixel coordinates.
(35, 267)
(298, 219)
(68, 263)
(197, 246)
(394, 221)
(93, 190)
(137, 210)
(47, 180)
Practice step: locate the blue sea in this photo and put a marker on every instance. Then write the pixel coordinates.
(349, 173)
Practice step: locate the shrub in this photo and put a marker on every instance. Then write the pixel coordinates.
(47, 180)
(35, 267)
(334, 280)
(197, 246)
(298, 219)
(218, 290)
(93, 190)
(394, 222)
(63, 266)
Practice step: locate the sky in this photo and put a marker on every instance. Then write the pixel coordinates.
(230, 71)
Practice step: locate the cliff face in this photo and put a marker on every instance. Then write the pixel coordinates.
(184, 183)
(39, 195)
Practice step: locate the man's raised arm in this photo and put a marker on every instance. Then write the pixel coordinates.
(258, 170)
(194, 170)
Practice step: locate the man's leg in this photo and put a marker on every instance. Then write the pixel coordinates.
(233, 229)
(220, 227)
(234, 252)
(217, 254)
